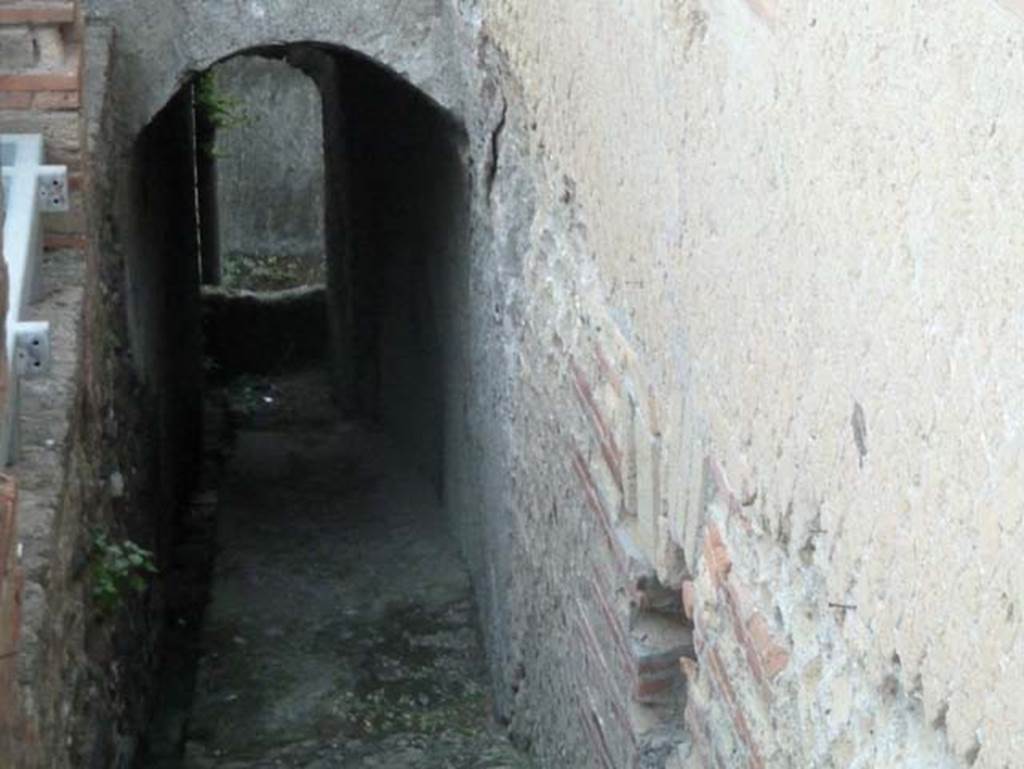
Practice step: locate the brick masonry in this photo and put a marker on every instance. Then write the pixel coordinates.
(725, 677)
(40, 92)
(741, 657)
(736, 667)
(11, 586)
(631, 627)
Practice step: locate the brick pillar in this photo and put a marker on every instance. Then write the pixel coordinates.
(40, 92)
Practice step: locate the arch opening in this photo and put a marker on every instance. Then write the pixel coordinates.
(268, 158)
(394, 223)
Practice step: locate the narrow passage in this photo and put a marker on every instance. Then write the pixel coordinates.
(341, 627)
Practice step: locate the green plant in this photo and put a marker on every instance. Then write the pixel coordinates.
(221, 110)
(269, 272)
(118, 568)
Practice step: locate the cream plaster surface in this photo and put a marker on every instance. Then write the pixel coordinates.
(798, 210)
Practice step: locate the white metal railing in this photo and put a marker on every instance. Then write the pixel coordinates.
(30, 189)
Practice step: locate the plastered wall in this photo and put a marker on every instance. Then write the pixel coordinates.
(803, 221)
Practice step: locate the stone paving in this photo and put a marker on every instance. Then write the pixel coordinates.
(341, 626)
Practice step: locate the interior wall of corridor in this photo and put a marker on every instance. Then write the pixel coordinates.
(804, 219)
(397, 221)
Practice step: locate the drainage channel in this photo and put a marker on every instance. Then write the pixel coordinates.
(339, 628)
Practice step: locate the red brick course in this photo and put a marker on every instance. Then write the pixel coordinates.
(39, 81)
(57, 242)
(772, 656)
(598, 741)
(43, 101)
(57, 101)
(598, 506)
(657, 685)
(716, 555)
(42, 96)
(37, 13)
(606, 439)
(725, 689)
(740, 657)
(606, 677)
(608, 372)
(15, 100)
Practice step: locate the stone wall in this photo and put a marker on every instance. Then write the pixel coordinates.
(270, 174)
(54, 513)
(40, 92)
(81, 677)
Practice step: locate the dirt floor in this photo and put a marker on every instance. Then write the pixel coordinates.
(340, 630)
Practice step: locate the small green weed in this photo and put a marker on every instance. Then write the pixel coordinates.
(118, 568)
(270, 272)
(220, 109)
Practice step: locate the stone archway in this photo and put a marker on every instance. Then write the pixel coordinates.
(395, 220)
(429, 52)
(395, 217)
(417, 41)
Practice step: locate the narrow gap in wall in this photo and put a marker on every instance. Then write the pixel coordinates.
(260, 192)
(662, 637)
